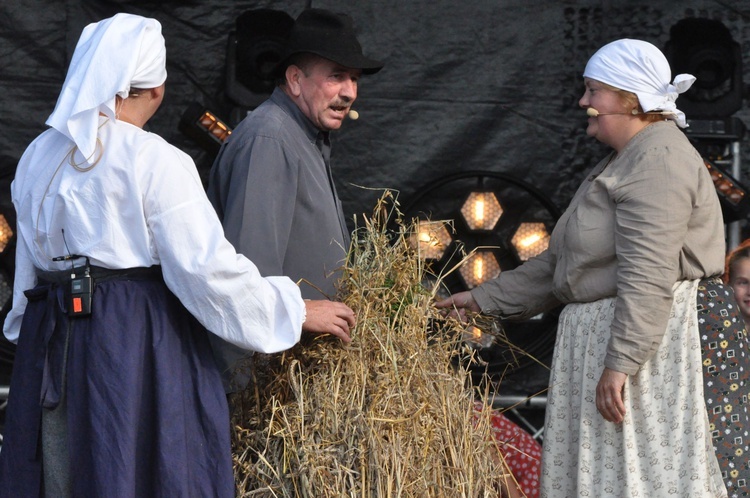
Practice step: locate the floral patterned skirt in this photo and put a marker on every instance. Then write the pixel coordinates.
(664, 447)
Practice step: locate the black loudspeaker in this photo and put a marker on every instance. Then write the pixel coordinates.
(705, 49)
(253, 52)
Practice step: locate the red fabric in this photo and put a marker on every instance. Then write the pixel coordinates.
(521, 452)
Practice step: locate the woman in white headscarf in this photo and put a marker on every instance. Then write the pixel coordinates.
(121, 266)
(646, 393)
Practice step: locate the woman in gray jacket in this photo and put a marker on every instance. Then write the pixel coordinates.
(647, 396)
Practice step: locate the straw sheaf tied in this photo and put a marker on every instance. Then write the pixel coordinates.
(388, 415)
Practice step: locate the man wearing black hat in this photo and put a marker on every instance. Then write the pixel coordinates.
(271, 183)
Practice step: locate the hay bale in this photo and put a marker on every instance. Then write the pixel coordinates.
(388, 415)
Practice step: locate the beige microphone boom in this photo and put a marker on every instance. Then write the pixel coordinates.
(594, 113)
(591, 112)
(353, 115)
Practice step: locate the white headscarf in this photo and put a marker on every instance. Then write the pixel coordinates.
(639, 67)
(112, 56)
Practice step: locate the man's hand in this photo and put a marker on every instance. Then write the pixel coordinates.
(329, 317)
(609, 400)
(457, 305)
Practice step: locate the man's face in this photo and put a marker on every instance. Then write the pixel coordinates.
(325, 92)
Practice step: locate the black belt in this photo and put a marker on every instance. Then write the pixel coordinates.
(100, 274)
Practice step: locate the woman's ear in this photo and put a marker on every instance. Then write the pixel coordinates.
(157, 93)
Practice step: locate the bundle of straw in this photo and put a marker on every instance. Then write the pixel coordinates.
(391, 414)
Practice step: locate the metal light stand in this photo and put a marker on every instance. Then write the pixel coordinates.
(734, 229)
(517, 404)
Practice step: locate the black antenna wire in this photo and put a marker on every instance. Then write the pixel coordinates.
(65, 242)
(71, 257)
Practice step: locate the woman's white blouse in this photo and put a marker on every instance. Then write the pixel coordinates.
(143, 204)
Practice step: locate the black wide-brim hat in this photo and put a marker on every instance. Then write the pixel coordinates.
(329, 35)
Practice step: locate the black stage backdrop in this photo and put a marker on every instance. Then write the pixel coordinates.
(473, 85)
(477, 85)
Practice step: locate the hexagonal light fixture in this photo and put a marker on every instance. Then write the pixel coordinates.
(477, 338)
(530, 240)
(431, 239)
(468, 198)
(479, 267)
(6, 233)
(481, 210)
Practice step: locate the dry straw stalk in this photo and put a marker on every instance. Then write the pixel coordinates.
(390, 415)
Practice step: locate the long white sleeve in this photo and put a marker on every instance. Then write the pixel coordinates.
(144, 205)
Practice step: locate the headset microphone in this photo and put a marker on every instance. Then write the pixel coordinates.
(594, 113)
(353, 115)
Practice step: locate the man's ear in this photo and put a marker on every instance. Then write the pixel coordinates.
(293, 75)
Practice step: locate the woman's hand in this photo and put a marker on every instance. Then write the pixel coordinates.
(329, 317)
(609, 395)
(458, 304)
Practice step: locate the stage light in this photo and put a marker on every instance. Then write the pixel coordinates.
(480, 267)
(431, 239)
(7, 263)
(204, 127)
(733, 197)
(481, 211)
(705, 48)
(482, 248)
(530, 240)
(7, 266)
(217, 129)
(6, 233)
(477, 338)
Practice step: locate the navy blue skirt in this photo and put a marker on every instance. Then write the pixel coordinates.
(146, 411)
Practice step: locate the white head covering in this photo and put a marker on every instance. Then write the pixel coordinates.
(639, 67)
(112, 56)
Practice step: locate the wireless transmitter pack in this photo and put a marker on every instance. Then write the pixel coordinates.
(80, 288)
